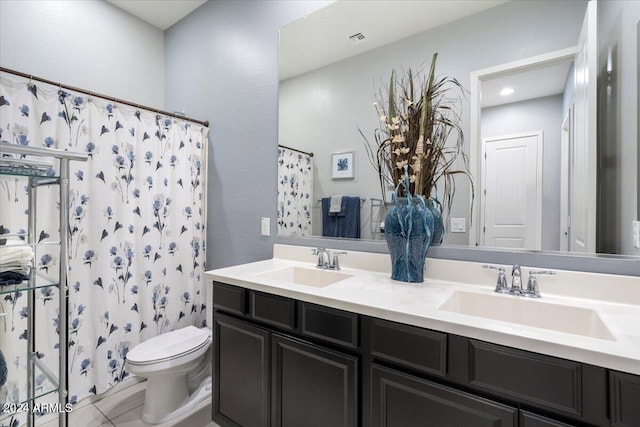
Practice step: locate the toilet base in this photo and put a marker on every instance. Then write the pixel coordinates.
(158, 401)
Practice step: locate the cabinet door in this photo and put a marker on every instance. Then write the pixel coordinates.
(402, 400)
(624, 391)
(241, 373)
(312, 386)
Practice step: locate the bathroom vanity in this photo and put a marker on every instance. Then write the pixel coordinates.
(299, 346)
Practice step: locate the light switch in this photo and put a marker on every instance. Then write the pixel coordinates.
(458, 225)
(265, 226)
(636, 234)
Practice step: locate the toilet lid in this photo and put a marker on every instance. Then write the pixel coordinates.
(169, 345)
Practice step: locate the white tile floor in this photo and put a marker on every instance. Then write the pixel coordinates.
(123, 408)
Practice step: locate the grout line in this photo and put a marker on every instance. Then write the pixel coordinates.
(98, 409)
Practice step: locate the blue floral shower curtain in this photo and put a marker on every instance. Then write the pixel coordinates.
(295, 192)
(136, 231)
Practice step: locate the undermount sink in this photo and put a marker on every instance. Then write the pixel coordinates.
(555, 317)
(306, 276)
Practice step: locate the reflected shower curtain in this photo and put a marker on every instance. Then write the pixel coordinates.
(295, 192)
(136, 231)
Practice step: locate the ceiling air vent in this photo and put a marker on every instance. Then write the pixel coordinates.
(357, 38)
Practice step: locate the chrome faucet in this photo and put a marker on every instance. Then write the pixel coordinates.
(516, 280)
(532, 290)
(335, 264)
(325, 261)
(321, 253)
(501, 284)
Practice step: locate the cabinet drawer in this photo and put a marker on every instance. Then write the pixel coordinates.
(229, 298)
(273, 310)
(527, 419)
(399, 399)
(409, 346)
(330, 324)
(624, 398)
(543, 381)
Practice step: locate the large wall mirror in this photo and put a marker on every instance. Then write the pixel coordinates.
(578, 180)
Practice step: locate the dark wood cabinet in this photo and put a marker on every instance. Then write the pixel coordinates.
(283, 362)
(312, 386)
(402, 400)
(624, 395)
(241, 373)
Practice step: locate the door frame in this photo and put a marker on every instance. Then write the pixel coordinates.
(476, 155)
(565, 184)
(539, 156)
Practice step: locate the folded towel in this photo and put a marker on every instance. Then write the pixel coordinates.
(335, 205)
(3, 370)
(19, 257)
(14, 252)
(15, 268)
(12, 278)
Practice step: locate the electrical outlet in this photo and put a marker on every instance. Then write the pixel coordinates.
(636, 234)
(265, 226)
(458, 225)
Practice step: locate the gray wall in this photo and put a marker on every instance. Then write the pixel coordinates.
(618, 125)
(89, 44)
(222, 65)
(322, 110)
(543, 114)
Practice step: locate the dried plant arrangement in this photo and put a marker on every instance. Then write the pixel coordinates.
(420, 128)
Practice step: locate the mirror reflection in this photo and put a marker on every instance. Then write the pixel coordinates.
(533, 152)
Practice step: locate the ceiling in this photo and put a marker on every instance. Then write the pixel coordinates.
(309, 44)
(530, 84)
(308, 41)
(322, 38)
(159, 13)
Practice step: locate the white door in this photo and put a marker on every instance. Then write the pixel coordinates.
(511, 198)
(582, 208)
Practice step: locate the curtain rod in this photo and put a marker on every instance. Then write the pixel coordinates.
(110, 98)
(296, 150)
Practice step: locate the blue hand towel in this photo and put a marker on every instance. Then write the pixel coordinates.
(3, 370)
(344, 224)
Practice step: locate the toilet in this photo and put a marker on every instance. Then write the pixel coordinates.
(178, 371)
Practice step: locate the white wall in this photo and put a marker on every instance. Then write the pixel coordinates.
(543, 114)
(89, 44)
(321, 111)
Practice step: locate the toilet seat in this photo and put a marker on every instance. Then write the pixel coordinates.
(169, 346)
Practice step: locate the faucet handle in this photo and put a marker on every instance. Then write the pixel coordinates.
(320, 253)
(501, 284)
(533, 290)
(542, 272)
(335, 265)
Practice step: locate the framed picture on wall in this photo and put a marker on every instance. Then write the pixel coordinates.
(342, 166)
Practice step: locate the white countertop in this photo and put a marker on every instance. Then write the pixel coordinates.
(370, 291)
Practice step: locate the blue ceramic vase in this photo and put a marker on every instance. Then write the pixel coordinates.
(435, 207)
(408, 231)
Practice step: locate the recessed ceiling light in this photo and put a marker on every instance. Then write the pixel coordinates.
(506, 91)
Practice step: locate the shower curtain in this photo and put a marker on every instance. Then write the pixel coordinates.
(295, 192)
(136, 232)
